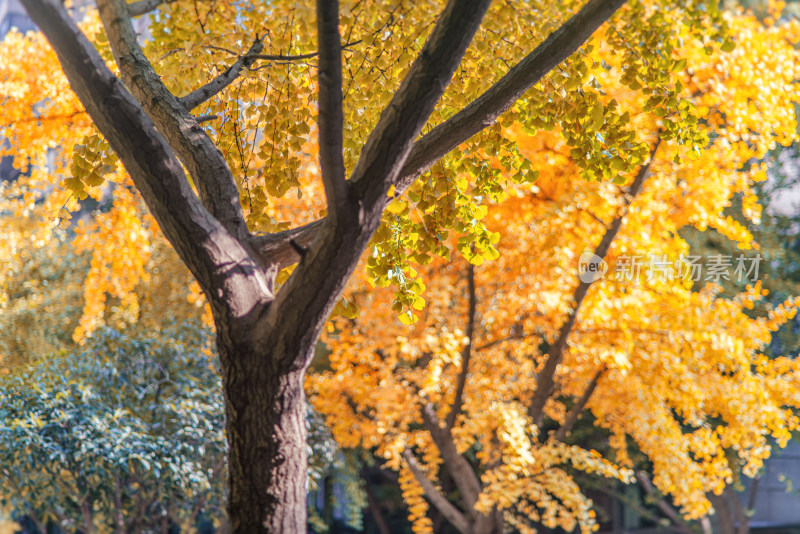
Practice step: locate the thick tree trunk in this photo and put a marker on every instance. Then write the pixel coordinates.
(266, 412)
(724, 518)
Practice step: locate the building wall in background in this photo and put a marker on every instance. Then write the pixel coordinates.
(12, 14)
(777, 499)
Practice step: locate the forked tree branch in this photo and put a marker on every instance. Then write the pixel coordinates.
(466, 353)
(331, 115)
(215, 86)
(450, 512)
(232, 73)
(308, 296)
(482, 112)
(546, 378)
(199, 238)
(202, 158)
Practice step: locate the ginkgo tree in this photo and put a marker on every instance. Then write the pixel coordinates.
(509, 354)
(267, 140)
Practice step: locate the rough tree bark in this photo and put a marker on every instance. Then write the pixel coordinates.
(265, 340)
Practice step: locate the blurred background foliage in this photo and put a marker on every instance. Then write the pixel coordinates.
(124, 434)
